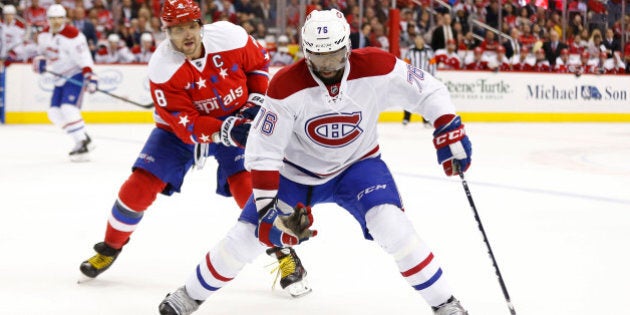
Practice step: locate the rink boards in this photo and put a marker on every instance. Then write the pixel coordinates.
(479, 96)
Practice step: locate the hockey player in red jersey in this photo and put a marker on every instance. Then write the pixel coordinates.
(63, 49)
(207, 82)
(315, 141)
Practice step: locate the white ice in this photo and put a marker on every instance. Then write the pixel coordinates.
(554, 200)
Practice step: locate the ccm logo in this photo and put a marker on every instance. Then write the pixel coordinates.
(450, 137)
(369, 190)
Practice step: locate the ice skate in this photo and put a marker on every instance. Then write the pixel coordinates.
(291, 272)
(450, 307)
(80, 152)
(178, 303)
(97, 264)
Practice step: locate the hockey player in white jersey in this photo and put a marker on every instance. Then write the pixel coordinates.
(63, 50)
(315, 141)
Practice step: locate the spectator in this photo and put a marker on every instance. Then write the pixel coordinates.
(86, 27)
(595, 43)
(379, 39)
(266, 12)
(527, 39)
(611, 43)
(115, 51)
(442, 34)
(36, 15)
(490, 43)
(511, 45)
(553, 47)
(128, 11)
(361, 38)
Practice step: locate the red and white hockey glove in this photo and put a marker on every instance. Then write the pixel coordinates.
(276, 228)
(452, 144)
(234, 132)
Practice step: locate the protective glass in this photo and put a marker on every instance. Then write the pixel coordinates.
(328, 61)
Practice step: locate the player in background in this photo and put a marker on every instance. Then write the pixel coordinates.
(207, 82)
(63, 49)
(315, 141)
(523, 61)
(12, 32)
(498, 61)
(448, 58)
(115, 51)
(476, 61)
(143, 52)
(422, 57)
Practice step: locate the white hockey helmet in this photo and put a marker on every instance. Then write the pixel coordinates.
(325, 31)
(56, 10)
(326, 40)
(146, 37)
(9, 9)
(113, 37)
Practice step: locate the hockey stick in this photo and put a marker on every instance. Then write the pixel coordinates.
(485, 239)
(73, 81)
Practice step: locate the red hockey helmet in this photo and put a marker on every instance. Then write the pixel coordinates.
(564, 51)
(179, 11)
(585, 54)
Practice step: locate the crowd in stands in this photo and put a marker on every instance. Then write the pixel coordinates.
(125, 31)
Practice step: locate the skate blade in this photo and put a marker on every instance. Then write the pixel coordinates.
(299, 289)
(80, 158)
(83, 279)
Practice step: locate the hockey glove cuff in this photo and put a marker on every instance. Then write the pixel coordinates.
(90, 80)
(452, 144)
(252, 107)
(278, 229)
(39, 64)
(234, 132)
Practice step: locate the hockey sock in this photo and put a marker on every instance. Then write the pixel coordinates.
(224, 261)
(393, 231)
(136, 195)
(241, 187)
(74, 126)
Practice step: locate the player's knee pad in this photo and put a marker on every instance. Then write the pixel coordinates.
(392, 230)
(241, 187)
(71, 112)
(140, 190)
(240, 246)
(56, 116)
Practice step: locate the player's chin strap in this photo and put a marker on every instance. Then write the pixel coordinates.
(201, 154)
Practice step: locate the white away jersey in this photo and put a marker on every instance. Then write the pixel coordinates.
(66, 52)
(310, 136)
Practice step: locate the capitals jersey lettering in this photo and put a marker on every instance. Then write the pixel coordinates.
(192, 96)
(311, 136)
(66, 52)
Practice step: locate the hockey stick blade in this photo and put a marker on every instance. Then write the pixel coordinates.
(506, 295)
(124, 99)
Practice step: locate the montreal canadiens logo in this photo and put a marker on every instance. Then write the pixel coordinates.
(334, 130)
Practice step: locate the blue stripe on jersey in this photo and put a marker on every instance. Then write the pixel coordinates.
(126, 216)
(429, 282)
(203, 282)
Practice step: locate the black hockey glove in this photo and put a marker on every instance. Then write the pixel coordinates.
(234, 132)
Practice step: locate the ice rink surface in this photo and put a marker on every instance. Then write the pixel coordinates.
(554, 200)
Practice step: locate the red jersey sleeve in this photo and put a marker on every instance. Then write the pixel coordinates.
(176, 113)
